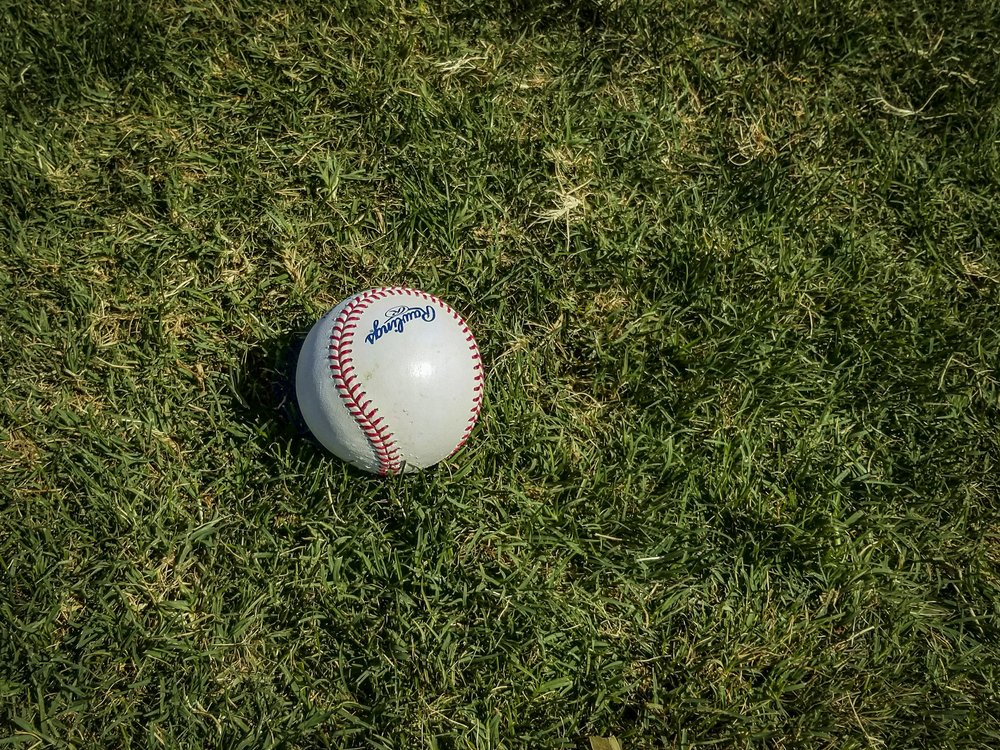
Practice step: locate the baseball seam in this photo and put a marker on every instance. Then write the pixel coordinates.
(477, 398)
(357, 401)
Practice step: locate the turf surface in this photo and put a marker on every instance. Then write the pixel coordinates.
(734, 271)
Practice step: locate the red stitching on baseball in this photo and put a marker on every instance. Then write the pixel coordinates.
(379, 436)
(477, 399)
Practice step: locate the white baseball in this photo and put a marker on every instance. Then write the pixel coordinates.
(390, 380)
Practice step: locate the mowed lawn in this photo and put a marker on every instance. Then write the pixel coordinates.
(734, 271)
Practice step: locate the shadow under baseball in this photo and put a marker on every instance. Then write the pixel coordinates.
(264, 387)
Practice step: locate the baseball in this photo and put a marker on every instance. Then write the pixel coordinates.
(390, 380)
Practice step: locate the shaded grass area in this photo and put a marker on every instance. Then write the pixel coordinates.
(734, 273)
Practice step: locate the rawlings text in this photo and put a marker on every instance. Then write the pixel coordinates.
(396, 319)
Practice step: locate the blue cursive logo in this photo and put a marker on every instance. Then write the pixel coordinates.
(396, 319)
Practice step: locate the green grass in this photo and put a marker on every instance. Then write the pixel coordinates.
(734, 271)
